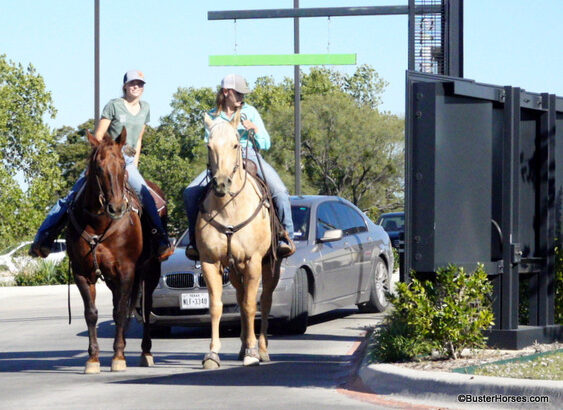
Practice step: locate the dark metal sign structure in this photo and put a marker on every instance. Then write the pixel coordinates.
(483, 184)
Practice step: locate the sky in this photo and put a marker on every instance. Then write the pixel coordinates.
(506, 42)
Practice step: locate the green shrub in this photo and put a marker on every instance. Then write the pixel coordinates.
(447, 314)
(43, 273)
(396, 341)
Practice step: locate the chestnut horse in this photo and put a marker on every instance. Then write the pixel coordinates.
(105, 239)
(233, 230)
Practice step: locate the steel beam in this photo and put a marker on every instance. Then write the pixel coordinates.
(318, 12)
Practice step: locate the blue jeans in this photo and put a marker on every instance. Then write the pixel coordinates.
(51, 224)
(193, 193)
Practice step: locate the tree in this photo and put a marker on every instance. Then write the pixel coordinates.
(349, 148)
(73, 150)
(27, 156)
(174, 153)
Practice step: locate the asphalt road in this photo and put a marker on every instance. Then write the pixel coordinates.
(42, 359)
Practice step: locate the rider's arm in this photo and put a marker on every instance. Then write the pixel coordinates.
(102, 128)
(260, 133)
(138, 147)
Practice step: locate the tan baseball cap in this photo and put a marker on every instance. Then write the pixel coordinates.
(235, 82)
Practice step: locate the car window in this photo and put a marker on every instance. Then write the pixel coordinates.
(326, 219)
(392, 222)
(351, 221)
(300, 217)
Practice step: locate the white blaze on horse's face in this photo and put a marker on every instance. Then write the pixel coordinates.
(224, 156)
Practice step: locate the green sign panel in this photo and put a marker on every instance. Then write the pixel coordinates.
(283, 59)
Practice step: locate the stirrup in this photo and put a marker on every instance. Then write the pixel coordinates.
(286, 247)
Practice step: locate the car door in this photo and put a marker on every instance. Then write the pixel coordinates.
(356, 240)
(336, 257)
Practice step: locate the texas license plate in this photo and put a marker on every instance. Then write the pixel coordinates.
(194, 301)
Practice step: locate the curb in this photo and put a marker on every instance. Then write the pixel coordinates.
(388, 379)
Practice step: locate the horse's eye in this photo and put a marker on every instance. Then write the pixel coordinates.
(236, 146)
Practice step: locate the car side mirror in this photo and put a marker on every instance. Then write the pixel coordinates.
(332, 235)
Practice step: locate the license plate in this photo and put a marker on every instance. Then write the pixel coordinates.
(194, 301)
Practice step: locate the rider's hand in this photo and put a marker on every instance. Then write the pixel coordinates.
(249, 125)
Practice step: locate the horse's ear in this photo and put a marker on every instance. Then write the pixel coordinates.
(93, 140)
(207, 121)
(122, 139)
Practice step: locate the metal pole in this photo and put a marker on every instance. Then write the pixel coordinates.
(411, 30)
(96, 62)
(297, 109)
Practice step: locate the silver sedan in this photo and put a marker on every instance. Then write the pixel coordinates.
(342, 258)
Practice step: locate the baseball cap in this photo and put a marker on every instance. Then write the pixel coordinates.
(236, 82)
(133, 75)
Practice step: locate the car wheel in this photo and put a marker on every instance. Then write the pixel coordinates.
(160, 331)
(299, 314)
(380, 283)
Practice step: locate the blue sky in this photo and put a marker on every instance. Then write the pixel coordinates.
(507, 42)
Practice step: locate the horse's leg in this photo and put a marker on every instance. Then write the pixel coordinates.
(121, 316)
(151, 276)
(251, 282)
(214, 280)
(236, 281)
(88, 293)
(269, 282)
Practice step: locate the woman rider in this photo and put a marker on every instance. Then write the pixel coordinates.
(130, 112)
(230, 106)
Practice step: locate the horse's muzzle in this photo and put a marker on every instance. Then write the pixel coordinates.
(116, 212)
(221, 185)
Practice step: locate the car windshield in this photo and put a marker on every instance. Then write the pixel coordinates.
(392, 222)
(300, 216)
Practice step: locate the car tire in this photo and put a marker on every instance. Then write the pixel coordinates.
(296, 323)
(380, 283)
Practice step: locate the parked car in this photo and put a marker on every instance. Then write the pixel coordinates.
(342, 258)
(17, 257)
(394, 225)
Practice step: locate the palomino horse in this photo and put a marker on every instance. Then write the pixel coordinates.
(106, 240)
(233, 230)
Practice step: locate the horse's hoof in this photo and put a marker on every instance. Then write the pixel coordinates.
(211, 361)
(264, 356)
(147, 360)
(118, 365)
(251, 357)
(92, 368)
(241, 354)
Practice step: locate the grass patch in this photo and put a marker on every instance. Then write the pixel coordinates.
(544, 366)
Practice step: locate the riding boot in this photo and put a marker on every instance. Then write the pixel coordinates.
(191, 250)
(286, 247)
(165, 249)
(46, 235)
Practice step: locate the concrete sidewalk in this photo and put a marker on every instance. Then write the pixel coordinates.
(432, 388)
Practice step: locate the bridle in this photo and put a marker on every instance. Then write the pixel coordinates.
(104, 204)
(235, 167)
